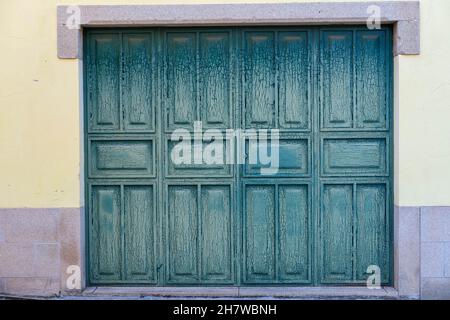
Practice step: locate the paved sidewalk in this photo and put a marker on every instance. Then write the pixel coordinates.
(233, 293)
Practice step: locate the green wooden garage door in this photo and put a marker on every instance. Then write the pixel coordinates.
(323, 219)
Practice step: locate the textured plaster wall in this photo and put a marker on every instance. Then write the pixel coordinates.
(423, 103)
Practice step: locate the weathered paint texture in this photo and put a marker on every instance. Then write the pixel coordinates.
(276, 76)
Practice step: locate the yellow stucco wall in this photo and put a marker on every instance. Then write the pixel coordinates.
(40, 109)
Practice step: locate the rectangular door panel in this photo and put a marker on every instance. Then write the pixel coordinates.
(337, 77)
(217, 243)
(139, 233)
(259, 79)
(294, 226)
(182, 234)
(371, 80)
(259, 233)
(215, 79)
(121, 158)
(103, 84)
(181, 79)
(137, 90)
(354, 157)
(294, 157)
(105, 237)
(294, 81)
(371, 230)
(192, 159)
(336, 221)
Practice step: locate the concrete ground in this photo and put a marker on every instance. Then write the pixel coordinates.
(235, 293)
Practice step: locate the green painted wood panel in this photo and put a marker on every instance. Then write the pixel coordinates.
(215, 67)
(294, 233)
(321, 220)
(371, 232)
(350, 156)
(103, 74)
(259, 79)
(181, 74)
(294, 157)
(192, 169)
(139, 233)
(337, 71)
(123, 157)
(106, 235)
(294, 80)
(217, 234)
(137, 89)
(371, 81)
(259, 233)
(336, 232)
(183, 234)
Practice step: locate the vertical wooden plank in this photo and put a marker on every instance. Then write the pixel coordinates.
(315, 237)
(336, 231)
(214, 79)
(371, 213)
(294, 233)
(103, 82)
(259, 79)
(181, 79)
(161, 191)
(122, 232)
(237, 214)
(371, 79)
(106, 256)
(294, 82)
(337, 77)
(137, 87)
(183, 228)
(216, 233)
(260, 233)
(139, 233)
